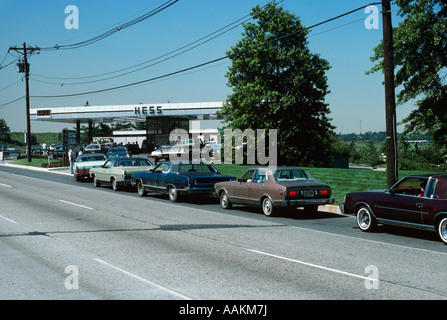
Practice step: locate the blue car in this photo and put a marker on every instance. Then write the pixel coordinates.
(177, 179)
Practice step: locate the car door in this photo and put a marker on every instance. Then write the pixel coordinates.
(103, 172)
(162, 178)
(256, 188)
(241, 189)
(151, 178)
(402, 202)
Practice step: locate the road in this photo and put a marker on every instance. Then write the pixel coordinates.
(62, 239)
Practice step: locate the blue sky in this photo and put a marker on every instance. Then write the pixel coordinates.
(356, 100)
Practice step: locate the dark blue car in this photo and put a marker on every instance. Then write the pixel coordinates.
(179, 178)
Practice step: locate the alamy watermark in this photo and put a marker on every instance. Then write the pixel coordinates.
(372, 281)
(72, 20)
(247, 146)
(372, 21)
(72, 280)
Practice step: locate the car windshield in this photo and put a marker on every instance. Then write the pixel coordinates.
(134, 163)
(291, 175)
(197, 168)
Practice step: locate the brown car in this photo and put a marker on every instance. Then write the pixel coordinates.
(272, 189)
(416, 201)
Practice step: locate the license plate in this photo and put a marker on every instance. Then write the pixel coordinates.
(308, 193)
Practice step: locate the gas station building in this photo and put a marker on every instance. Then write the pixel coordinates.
(160, 119)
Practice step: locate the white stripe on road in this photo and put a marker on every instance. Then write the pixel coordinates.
(76, 204)
(143, 280)
(5, 185)
(314, 265)
(8, 219)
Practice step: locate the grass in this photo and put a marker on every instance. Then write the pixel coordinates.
(37, 162)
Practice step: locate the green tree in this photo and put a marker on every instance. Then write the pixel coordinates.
(279, 84)
(420, 58)
(5, 131)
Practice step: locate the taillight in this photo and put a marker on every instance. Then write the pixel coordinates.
(293, 193)
(324, 192)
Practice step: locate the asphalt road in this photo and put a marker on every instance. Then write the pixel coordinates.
(62, 239)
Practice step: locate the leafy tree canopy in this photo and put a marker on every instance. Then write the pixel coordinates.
(420, 58)
(279, 84)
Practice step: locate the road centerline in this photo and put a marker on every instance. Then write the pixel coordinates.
(76, 204)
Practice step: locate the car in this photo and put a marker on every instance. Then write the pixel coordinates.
(415, 201)
(160, 152)
(272, 189)
(95, 148)
(117, 172)
(85, 162)
(179, 178)
(115, 152)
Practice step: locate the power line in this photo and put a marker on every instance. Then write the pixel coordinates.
(114, 30)
(194, 45)
(205, 63)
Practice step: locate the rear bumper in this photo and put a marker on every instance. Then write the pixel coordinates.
(306, 202)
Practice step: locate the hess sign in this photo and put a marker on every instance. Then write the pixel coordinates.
(44, 113)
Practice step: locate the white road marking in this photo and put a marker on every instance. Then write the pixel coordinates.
(8, 219)
(314, 265)
(5, 185)
(179, 295)
(76, 204)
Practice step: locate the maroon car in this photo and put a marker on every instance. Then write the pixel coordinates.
(416, 201)
(271, 189)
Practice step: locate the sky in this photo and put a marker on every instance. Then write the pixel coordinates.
(356, 100)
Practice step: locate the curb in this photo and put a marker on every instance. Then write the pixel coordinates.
(55, 170)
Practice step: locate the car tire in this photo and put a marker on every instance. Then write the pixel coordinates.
(225, 202)
(173, 194)
(140, 189)
(76, 177)
(267, 207)
(442, 230)
(96, 183)
(365, 219)
(115, 185)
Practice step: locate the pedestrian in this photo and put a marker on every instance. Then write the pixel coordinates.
(71, 158)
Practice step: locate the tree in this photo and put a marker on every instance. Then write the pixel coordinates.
(420, 57)
(5, 131)
(279, 84)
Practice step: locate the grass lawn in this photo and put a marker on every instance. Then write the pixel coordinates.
(36, 162)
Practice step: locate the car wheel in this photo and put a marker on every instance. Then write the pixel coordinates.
(140, 189)
(96, 183)
(365, 219)
(173, 194)
(115, 185)
(442, 230)
(76, 177)
(267, 207)
(225, 201)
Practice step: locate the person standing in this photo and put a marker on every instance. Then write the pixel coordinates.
(71, 158)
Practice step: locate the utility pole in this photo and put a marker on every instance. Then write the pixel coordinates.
(390, 102)
(24, 68)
